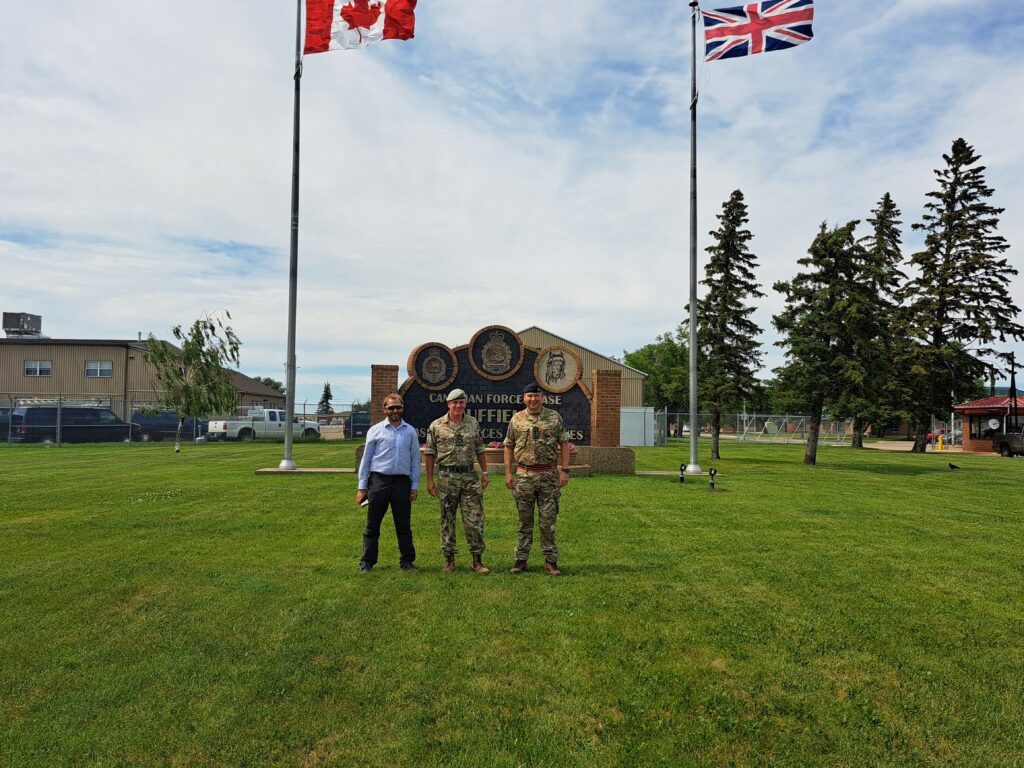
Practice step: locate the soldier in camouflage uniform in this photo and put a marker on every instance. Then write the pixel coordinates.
(538, 442)
(453, 444)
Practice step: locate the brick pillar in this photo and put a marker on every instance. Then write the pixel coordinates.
(383, 381)
(604, 408)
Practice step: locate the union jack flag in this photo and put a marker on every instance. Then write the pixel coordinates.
(756, 28)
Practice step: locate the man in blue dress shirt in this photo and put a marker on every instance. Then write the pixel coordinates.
(389, 474)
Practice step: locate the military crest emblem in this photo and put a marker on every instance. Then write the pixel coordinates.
(557, 369)
(496, 354)
(435, 369)
(554, 368)
(433, 365)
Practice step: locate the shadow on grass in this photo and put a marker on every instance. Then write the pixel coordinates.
(890, 469)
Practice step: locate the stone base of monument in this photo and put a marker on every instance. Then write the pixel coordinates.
(606, 460)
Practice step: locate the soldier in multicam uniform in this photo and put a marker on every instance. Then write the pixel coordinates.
(538, 442)
(453, 444)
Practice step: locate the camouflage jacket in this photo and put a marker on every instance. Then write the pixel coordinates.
(536, 439)
(458, 445)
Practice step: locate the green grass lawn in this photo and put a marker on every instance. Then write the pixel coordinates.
(160, 609)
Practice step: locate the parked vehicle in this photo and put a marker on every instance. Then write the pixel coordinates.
(261, 422)
(357, 425)
(164, 426)
(1009, 443)
(48, 424)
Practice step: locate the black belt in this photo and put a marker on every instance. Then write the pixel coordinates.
(456, 468)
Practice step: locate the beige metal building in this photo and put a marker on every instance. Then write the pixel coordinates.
(110, 373)
(632, 378)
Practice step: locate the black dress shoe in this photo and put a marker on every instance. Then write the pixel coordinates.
(365, 567)
(405, 565)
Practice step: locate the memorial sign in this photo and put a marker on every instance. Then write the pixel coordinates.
(493, 368)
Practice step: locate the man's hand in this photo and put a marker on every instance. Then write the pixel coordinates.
(360, 497)
(510, 481)
(563, 479)
(431, 488)
(413, 495)
(484, 480)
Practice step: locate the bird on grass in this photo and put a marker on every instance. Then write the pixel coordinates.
(953, 466)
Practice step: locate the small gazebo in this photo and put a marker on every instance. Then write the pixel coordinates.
(985, 417)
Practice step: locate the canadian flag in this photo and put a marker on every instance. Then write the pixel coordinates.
(334, 24)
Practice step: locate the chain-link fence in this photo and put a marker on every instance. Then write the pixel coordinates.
(753, 427)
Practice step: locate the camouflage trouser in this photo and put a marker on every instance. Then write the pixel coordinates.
(540, 488)
(462, 490)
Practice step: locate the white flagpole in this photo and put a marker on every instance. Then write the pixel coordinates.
(693, 468)
(293, 264)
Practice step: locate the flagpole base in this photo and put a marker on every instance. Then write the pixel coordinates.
(694, 469)
(286, 464)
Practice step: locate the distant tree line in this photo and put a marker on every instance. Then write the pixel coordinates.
(868, 333)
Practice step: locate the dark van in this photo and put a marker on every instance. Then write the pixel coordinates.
(357, 425)
(39, 424)
(164, 426)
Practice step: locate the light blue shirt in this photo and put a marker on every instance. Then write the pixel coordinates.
(391, 451)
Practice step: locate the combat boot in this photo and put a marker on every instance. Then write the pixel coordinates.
(449, 565)
(519, 567)
(478, 566)
(551, 568)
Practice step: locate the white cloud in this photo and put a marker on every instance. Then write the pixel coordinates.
(514, 164)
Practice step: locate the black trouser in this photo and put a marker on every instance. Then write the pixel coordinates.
(382, 491)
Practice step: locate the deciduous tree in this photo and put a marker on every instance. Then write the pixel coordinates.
(272, 383)
(665, 362)
(193, 374)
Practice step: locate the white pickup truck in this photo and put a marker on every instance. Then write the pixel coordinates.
(260, 422)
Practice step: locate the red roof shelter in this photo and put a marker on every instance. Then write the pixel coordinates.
(984, 417)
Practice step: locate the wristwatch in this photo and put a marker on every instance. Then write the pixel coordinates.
(566, 470)
(485, 472)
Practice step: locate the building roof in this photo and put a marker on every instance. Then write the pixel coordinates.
(997, 404)
(135, 343)
(573, 343)
(249, 386)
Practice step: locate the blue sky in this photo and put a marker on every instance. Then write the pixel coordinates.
(516, 163)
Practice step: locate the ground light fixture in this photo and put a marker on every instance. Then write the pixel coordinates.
(711, 481)
(682, 472)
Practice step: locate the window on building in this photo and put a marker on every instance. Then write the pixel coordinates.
(38, 368)
(99, 369)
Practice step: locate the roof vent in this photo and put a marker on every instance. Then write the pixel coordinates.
(23, 325)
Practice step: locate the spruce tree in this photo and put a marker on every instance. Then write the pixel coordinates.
(730, 352)
(958, 302)
(878, 400)
(830, 336)
(323, 408)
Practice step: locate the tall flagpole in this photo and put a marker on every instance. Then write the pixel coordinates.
(293, 262)
(693, 468)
